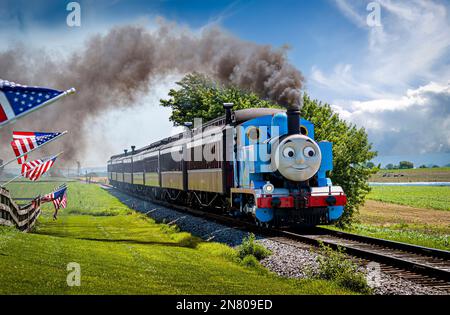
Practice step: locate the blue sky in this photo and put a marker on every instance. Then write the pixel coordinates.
(311, 28)
(389, 79)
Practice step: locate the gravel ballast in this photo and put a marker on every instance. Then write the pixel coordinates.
(286, 260)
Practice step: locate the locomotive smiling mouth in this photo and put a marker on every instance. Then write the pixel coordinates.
(300, 167)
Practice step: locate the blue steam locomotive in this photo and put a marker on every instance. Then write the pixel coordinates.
(262, 164)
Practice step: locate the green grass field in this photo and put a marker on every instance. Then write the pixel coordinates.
(410, 214)
(430, 197)
(122, 252)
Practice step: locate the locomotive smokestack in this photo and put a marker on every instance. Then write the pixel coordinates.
(293, 118)
(228, 107)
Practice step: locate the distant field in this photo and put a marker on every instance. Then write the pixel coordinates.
(123, 252)
(415, 196)
(441, 174)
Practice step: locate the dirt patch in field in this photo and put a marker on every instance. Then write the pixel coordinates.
(376, 212)
(412, 175)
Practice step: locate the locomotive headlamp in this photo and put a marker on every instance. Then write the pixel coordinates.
(268, 188)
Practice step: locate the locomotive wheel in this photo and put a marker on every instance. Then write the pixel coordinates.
(265, 225)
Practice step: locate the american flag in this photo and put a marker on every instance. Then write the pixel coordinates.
(17, 100)
(49, 197)
(58, 197)
(60, 202)
(33, 170)
(24, 141)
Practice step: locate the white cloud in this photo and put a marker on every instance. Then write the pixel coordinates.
(408, 48)
(342, 79)
(398, 90)
(349, 11)
(415, 123)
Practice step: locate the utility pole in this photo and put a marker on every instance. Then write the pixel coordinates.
(133, 147)
(78, 168)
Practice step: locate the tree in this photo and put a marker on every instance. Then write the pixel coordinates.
(390, 166)
(370, 165)
(201, 97)
(405, 165)
(423, 166)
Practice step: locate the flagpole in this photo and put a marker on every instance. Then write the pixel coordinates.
(50, 101)
(18, 176)
(21, 174)
(23, 154)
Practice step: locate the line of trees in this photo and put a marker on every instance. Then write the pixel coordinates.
(402, 165)
(406, 165)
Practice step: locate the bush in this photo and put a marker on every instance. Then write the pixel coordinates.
(249, 247)
(250, 261)
(187, 240)
(335, 265)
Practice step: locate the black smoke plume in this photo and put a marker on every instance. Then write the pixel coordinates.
(114, 70)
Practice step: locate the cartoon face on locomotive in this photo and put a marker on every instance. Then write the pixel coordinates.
(266, 165)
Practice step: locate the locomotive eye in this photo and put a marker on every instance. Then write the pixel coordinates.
(309, 152)
(288, 152)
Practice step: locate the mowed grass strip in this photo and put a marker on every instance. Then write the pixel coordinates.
(414, 196)
(123, 252)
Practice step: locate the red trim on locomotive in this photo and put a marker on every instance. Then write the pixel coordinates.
(266, 202)
(312, 201)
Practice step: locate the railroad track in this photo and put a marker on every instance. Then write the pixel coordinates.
(426, 266)
(423, 265)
